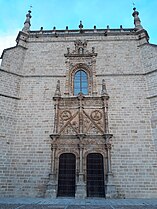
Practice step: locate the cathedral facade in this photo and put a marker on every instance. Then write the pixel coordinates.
(78, 113)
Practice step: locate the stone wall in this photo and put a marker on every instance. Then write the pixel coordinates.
(9, 97)
(10, 84)
(47, 58)
(7, 135)
(35, 124)
(149, 60)
(13, 60)
(133, 153)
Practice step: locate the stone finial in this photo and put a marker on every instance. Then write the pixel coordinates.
(66, 29)
(95, 30)
(137, 21)
(41, 30)
(121, 28)
(68, 50)
(81, 26)
(108, 28)
(27, 23)
(58, 92)
(104, 90)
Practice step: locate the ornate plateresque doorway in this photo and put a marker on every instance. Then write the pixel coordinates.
(81, 146)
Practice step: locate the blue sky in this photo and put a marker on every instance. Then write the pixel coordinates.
(62, 13)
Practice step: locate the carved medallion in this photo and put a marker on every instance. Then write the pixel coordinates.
(96, 115)
(65, 115)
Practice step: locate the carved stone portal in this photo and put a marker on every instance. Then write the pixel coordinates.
(81, 128)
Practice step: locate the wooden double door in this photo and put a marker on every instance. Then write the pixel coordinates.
(67, 175)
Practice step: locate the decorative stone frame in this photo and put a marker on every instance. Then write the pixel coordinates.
(72, 73)
(86, 61)
(98, 151)
(64, 151)
(58, 154)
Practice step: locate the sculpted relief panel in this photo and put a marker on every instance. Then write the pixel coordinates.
(81, 116)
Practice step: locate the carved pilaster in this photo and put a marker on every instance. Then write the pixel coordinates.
(67, 75)
(56, 98)
(105, 115)
(80, 98)
(81, 186)
(108, 150)
(110, 189)
(53, 149)
(94, 87)
(51, 191)
(105, 97)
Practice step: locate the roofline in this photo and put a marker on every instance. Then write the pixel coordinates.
(78, 32)
(87, 32)
(82, 32)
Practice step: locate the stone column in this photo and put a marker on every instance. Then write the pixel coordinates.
(81, 186)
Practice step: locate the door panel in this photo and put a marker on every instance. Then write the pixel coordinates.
(66, 178)
(95, 175)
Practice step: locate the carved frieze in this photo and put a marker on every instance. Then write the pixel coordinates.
(80, 115)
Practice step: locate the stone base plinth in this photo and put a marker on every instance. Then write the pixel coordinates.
(80, 188)
(110, 189)
(51, 191)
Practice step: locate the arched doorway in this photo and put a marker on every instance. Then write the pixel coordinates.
(95, 175)
(66, 176)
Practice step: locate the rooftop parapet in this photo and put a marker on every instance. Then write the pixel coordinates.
(84, 32)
